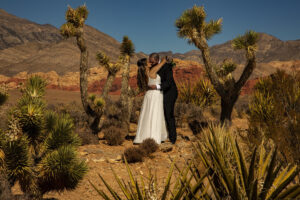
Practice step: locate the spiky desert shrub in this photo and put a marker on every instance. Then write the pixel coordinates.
(149, 146)
(42, 155)
(235, 177)
(114, 136)
(275, 113)
(133, 154)
(199, 93)
(186, 113)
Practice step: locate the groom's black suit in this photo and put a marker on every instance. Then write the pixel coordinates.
(170, 93)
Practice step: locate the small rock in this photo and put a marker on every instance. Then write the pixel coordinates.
(93, 151)
(119, 158)
(132, 128)
(101, 136)
(112, 160)
(165, 147)
(99, 160)
(83, 153)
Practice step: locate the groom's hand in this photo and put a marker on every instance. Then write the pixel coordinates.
(152, 87)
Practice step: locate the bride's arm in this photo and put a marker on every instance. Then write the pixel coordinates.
(156, 68)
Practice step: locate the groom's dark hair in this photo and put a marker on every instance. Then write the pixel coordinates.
(154, 55)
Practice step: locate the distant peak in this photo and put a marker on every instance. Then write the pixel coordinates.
(267, 37)
(3, 11)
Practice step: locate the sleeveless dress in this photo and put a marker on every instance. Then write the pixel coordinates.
(151, 123)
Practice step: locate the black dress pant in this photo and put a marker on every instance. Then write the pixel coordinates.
(169, 104)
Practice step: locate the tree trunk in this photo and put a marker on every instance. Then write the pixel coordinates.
(109, 81)
(83, 73)
(125, 80)
(124, 98)
(92, 114)
(227, 104)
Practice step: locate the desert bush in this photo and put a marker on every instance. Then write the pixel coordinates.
(86, 135)
(73, 109)
(275, 113)
(114, 136)
(199, 93)
(133, 154)
(80, 119)
(185, 113)
(113, 125)
(40, 145)
(149, 146)
(136, 108)
(264, 178)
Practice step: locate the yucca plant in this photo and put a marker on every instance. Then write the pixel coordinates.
(262, 178)
(42, 155)
(199, 93)
(193, 27)
(274, 110)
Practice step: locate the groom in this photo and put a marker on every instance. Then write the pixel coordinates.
(170, 93)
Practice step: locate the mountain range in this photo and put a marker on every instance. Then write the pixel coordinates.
(31, 47)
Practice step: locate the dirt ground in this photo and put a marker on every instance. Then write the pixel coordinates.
(101, 157)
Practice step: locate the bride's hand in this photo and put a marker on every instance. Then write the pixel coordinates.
(169, 59)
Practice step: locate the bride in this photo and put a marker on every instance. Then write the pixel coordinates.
(151, 123)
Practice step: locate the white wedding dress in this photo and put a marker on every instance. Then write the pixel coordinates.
(151, 123)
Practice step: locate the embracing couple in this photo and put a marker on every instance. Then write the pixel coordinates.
(156, 118)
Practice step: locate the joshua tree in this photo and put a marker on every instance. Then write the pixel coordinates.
(74, 28)
(126, 98)
(193, 27)
(39, 146)
(112, 69)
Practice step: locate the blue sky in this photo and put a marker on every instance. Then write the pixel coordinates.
(150, 23)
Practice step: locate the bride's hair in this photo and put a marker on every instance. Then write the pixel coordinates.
(142, 79)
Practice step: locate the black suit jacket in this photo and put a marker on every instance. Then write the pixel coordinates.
(168, 85)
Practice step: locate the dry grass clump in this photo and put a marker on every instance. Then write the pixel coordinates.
(145, 149)
(114, 136)
(133, 155)
(149, 146)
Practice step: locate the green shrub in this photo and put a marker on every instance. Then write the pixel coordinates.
(199, 93)
(39, 146)
(275, 113)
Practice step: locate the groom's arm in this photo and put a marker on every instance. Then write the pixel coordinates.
(165, 85)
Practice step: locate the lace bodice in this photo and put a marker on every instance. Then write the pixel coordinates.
(154, 81)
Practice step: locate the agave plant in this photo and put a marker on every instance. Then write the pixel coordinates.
(148, 190)
(262, 179)
(42, 155)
